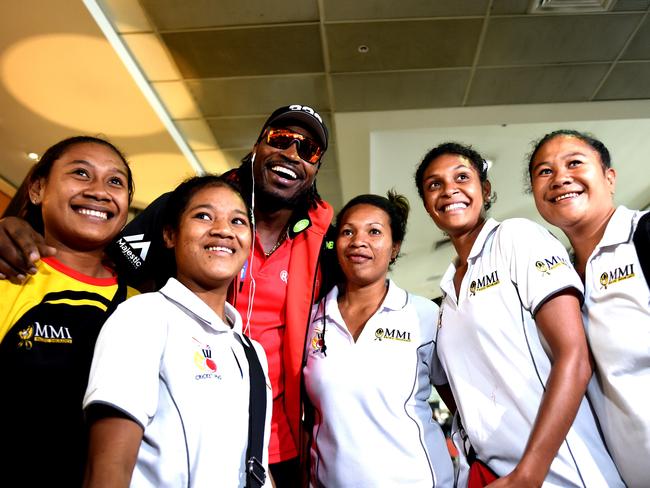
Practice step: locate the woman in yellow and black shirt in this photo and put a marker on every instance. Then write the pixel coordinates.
(77, 195)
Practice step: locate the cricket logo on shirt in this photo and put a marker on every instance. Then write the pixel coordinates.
(392, 334)
(616, 275)
(546, 265)
(203, 361)
(483, 283)
(317, 341)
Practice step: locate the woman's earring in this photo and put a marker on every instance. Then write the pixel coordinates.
(489, 200)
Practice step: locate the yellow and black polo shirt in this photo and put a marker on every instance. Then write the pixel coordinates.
(48, 329)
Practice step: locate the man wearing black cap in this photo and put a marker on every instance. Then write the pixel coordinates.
(280, 281)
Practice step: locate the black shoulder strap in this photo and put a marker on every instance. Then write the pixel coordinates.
(255, 472)
(119, 297)
(642, 244)
(439, 322)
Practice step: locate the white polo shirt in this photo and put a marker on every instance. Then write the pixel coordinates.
(183, 376)
(617, 320)
(373, 424)
(497, 362)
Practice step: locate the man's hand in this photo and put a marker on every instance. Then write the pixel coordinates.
(20, 248)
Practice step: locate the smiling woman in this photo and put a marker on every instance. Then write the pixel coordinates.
(510, 336)
(172, 382)
(573, 185)
(371, 355)
(77, 195)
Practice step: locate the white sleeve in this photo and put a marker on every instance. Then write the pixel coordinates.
(539, 263)
(126, 364)
(428, 315)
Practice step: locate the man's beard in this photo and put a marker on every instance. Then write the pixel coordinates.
(270, 201)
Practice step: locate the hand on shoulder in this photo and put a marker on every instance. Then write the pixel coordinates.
(20, 248)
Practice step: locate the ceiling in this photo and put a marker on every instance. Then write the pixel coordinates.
(392, 79)
(60, 77)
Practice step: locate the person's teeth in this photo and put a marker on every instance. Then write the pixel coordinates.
(93, 213)
(286, 171)
(454, 206)
(565, 196)
(220, 248)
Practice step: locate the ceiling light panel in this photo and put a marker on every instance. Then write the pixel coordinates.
(389, 9)
(536, 84)
(403, 45)
(639, 47)
(556, 39)
(257, 95)
(246, 52)
(392, 91)
(570, 6)
(626, 81)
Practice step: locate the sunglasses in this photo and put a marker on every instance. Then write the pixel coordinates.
(308, 149)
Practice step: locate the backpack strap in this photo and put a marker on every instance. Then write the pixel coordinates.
(120, 295)
(255, 472)
(642, 245)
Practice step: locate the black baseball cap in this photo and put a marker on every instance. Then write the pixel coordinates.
(300, 115)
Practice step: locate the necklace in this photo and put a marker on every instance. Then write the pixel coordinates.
(280, 240)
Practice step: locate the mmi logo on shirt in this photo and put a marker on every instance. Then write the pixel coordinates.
(392, 334)
(545, 265)
(487, 281)
(43, 333)
(616, 275)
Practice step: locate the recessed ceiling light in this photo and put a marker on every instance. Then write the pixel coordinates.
(363, 49)
(569, 6)
(33, 156)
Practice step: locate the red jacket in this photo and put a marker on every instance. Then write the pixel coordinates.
(303, 286)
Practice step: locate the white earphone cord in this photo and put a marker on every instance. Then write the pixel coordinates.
(251, 289)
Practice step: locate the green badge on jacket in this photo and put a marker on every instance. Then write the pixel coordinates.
(300, 225)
